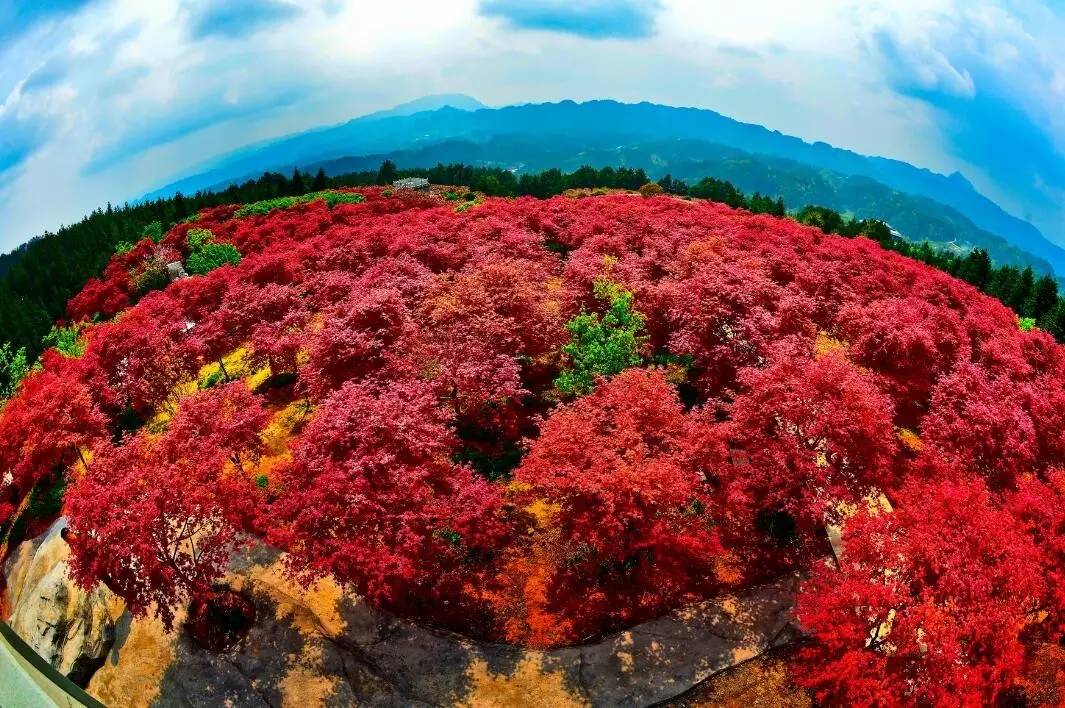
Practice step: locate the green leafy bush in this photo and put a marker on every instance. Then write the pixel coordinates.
(602, 347)
(206, 255)
(329, 196)
(198, 238)
(333, 198)
(66, 340)
(1026, 323)
(266, 206)
(211, 256)
(123, 247)
(14, 366)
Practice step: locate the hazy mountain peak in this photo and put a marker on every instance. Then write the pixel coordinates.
(434, 102)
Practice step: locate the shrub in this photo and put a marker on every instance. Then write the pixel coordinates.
(211, 256)
(66, 340)
(198, 238)
(266, 206)
(634, 514)
(206, 255)
(150, 276)
(330, 197)
(652, 189)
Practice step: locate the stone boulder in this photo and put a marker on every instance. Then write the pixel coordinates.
(71, 629)
(326, 647)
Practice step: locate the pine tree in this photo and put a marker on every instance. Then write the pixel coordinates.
(976, 268)
(1022, 291)
(297, 186)
(387, 173)
(1043, 300)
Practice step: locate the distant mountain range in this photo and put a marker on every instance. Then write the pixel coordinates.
(919, 217)
(688, 143)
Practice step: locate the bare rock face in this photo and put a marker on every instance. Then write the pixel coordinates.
(326, 647)
(72, 629)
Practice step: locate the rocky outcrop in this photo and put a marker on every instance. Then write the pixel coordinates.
(325, 647)
(70, 628)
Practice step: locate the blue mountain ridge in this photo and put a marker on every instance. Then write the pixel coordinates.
(603, 124)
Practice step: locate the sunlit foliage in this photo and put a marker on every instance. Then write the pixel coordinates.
(538, 421)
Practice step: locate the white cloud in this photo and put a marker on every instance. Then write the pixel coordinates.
(135, 98)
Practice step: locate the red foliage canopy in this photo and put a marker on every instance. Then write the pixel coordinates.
(817, 432)
(929, 604)
(155, 518)
(406, 436)
(635, 507)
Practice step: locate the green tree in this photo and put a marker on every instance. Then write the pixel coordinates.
(297, 185)
(154, 231)
(386, 174)
(1043, 300)
(1022, 291)
(672, 185)
(1003, 283)
(585, 176)
(878, 231)
(828, 220)
(14, 366)
(976, 268)
(719, 191)
(1056, 320)
(602, 347)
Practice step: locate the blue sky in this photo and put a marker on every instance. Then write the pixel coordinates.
(103, 100)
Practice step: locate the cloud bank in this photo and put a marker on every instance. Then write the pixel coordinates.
(105, 100)
(586, 18)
